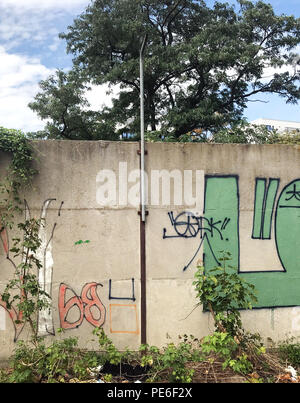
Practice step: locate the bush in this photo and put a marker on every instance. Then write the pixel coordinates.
(224, 292)
(36, 362)
(172, 360)
(289, 351)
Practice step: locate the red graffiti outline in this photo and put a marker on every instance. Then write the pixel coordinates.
(16, 318)
(87, 299)
(4, 239)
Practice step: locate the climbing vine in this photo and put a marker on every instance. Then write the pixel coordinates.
(18, 175)
(22, 293)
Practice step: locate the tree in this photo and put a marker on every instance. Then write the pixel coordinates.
(245, 133)
(202, 64)
(62, 102)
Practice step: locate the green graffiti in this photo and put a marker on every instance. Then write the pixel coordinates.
(287, 227)
(276, 288)
(260, 190)
(264, 207)
(221, 205)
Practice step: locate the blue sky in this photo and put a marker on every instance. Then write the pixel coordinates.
(30, 51)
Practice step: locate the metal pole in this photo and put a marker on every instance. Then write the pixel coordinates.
(142, 209)
(142, 128)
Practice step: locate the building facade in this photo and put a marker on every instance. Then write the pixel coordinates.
(276, 124)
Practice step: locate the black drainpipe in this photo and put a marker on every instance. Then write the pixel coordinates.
(142, 212)
(143, 270)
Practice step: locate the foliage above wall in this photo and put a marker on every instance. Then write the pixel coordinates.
(289, 138)
(203, 65)
(239, 133)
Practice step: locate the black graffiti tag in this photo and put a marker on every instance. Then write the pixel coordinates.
(188, 225)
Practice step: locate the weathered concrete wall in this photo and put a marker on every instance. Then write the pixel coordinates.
(246, 201)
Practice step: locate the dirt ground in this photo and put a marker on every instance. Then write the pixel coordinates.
(269, 370)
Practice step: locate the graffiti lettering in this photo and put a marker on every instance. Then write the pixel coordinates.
(188, 225)
(263, 207)
(44, 255)
(294, 193)
(5, 241)
(276, 288)
(87, 300)
(16, 318)
(132, 298)
(215, 230)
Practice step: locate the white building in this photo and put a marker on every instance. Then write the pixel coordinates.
(280, 125)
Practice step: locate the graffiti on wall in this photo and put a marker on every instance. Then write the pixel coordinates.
(276, 215)
(123, 318)
(45, 271)
(264, 202)
(84, 303)
(187, 225)
(129, 312)
(218, 229)
(130, 318)
(73, 309)
(129, 297)
(14, 315)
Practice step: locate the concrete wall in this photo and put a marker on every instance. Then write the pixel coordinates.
(246, 201)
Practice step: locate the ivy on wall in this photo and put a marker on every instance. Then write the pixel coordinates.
(18, 175)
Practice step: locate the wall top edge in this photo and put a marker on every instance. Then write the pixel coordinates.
(162, 144)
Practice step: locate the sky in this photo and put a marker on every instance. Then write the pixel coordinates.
(30, 51)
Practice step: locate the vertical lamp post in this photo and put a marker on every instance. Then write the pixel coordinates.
(142, 128)
(142, 211)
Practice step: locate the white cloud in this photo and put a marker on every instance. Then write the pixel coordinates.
(44, 4)
(28, 34)
(269, 72)
(19, 78)
(55, 44)
(29, 22)
(101, 95)
(18, 28)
